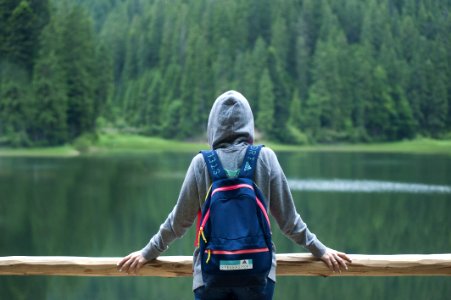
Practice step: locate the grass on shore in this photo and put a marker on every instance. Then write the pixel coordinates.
(121, 143)
(418, 146)
(112, 143)
(62, 151)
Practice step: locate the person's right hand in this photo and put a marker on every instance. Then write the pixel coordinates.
(336, 261)
(132, 263)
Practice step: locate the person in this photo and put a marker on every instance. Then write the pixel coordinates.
(230, 130)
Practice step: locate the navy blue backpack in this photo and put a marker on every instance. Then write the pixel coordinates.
(234, 234)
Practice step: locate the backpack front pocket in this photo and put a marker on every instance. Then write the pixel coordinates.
(244, 267)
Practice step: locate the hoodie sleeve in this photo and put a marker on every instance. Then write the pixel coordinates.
(284, 211)
(179, 220)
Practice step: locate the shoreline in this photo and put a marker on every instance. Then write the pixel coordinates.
(120, 143)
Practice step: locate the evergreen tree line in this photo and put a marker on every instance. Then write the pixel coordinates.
(54, 76)
(313, 70)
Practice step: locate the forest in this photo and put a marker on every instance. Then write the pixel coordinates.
(314, 71)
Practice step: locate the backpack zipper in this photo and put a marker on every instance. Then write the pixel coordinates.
(232, 187)
(233, 252)
(201, 228)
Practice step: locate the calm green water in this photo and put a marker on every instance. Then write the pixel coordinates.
(110, 206)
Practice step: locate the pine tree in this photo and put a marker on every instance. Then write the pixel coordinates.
(196, 85)
(257, 61)
(380, 110)
(131, 62)
(280, 41)
(311, 15)
(104, 77)
(170, 88)
(14, 105)
(409, 38)
(6, 9)
(150, 102)
(259, 20)
(402, 123)
(360, 81)
(21, 40)
(130, 102)
(376, 24)
(50, 94)
(427, 90)
(21, 23)
(350, 15)
(434, 104)
(222, 68)
(240, 31)
(78, 55)
(114, 34)
(303, 66)
(265, 117)
(321, 101)
(172, 119)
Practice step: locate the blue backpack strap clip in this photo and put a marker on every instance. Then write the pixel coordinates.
(214, 165)
(250, 161)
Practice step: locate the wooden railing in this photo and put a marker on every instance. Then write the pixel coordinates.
(175, 266)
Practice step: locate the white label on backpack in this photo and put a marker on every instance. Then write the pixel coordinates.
(232, 265)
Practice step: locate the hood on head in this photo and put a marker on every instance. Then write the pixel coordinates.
(230, 121)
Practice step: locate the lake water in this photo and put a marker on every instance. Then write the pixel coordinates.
(112, 205)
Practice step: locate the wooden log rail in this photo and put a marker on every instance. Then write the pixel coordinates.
(177, 266)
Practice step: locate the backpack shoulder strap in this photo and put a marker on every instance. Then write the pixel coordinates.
(214, 165)
(250, 161)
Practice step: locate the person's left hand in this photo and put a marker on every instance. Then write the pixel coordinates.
(336, 261)
(132, 262)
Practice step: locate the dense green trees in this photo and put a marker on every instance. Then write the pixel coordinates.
(323, 70)
(54, 84)
(50, 92)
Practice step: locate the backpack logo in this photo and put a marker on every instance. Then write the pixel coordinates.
(233, 265)
(247, 167)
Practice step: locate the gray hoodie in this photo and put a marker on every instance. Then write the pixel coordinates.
(230, 130)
